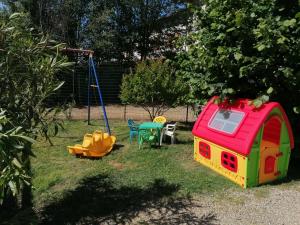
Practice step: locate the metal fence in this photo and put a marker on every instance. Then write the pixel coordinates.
(75, 93)
(124, 112)
(75, 88)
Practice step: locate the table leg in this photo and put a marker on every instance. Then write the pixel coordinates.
(159, 136)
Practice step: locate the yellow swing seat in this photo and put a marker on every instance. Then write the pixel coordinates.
(97, 144)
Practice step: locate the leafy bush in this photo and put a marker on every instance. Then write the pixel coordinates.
(244, 48)
(12, 143)
(154, 86)
(29, 63)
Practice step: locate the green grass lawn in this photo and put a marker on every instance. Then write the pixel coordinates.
(56, 172)
(127, 174)
(69, 189)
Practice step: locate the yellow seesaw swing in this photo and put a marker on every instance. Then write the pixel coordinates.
(98, 143)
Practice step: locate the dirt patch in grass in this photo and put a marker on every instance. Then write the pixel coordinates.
(122, 166)
(188, 166)
(116, 165)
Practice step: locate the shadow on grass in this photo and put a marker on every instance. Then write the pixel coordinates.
(118, 147)
(98, 201)
(115, 148)
(184, 142)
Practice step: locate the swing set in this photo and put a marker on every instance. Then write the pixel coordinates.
(98, 143)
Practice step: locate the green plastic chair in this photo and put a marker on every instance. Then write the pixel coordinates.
(146, 135)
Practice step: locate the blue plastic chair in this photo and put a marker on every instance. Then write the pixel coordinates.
(134, 129)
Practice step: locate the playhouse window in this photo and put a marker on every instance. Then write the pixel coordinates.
(229, 161)
(226, 120)
(204, 149)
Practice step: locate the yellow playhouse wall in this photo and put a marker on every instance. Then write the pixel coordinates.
(214, 162)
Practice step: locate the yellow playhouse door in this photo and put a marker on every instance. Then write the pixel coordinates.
(269, 150)
(268, 164)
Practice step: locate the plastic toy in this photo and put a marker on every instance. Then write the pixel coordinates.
(160, 119)
(133, 129)
(97, 144)
(146, 135)
(248, 145)
(155, 129)
(169, 130)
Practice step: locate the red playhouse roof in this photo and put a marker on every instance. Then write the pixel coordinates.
(250, 120)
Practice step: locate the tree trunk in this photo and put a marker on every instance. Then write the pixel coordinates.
(153, 113)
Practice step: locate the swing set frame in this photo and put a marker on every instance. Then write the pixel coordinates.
(92, 73)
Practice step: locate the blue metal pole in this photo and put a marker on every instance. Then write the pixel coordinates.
(100, 95)
(89, 93)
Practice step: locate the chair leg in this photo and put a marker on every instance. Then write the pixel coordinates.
(172, 139)
(140, 141)
(161, 138)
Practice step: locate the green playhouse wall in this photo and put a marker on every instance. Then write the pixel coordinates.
(253, 160)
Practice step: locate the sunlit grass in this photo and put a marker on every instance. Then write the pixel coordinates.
(56, 172)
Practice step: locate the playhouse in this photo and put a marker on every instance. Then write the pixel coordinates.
(248, 145)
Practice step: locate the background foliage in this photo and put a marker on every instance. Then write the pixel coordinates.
(154, 86)
(244, 49)
(117, 30)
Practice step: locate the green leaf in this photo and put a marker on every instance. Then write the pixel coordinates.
(16, 162)
(237, 56)
(59, 86)
(14, 15)
(24, 138)
(13, 187)
(288, 23)
(230, 91)
(257, 103)
(66, 64)
(9, 29)
(297, 109)
(261, 47)
(270, 90)
(265, 98)
(220, 49)
(230, 29)
(281, 40)
(211, 91)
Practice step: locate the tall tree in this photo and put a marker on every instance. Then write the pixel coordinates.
(244, 48)
(134, 28)
(62, 20)
(153, 86)
(116, 30)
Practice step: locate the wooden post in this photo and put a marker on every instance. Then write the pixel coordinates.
(124, 115)
(187, 114)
